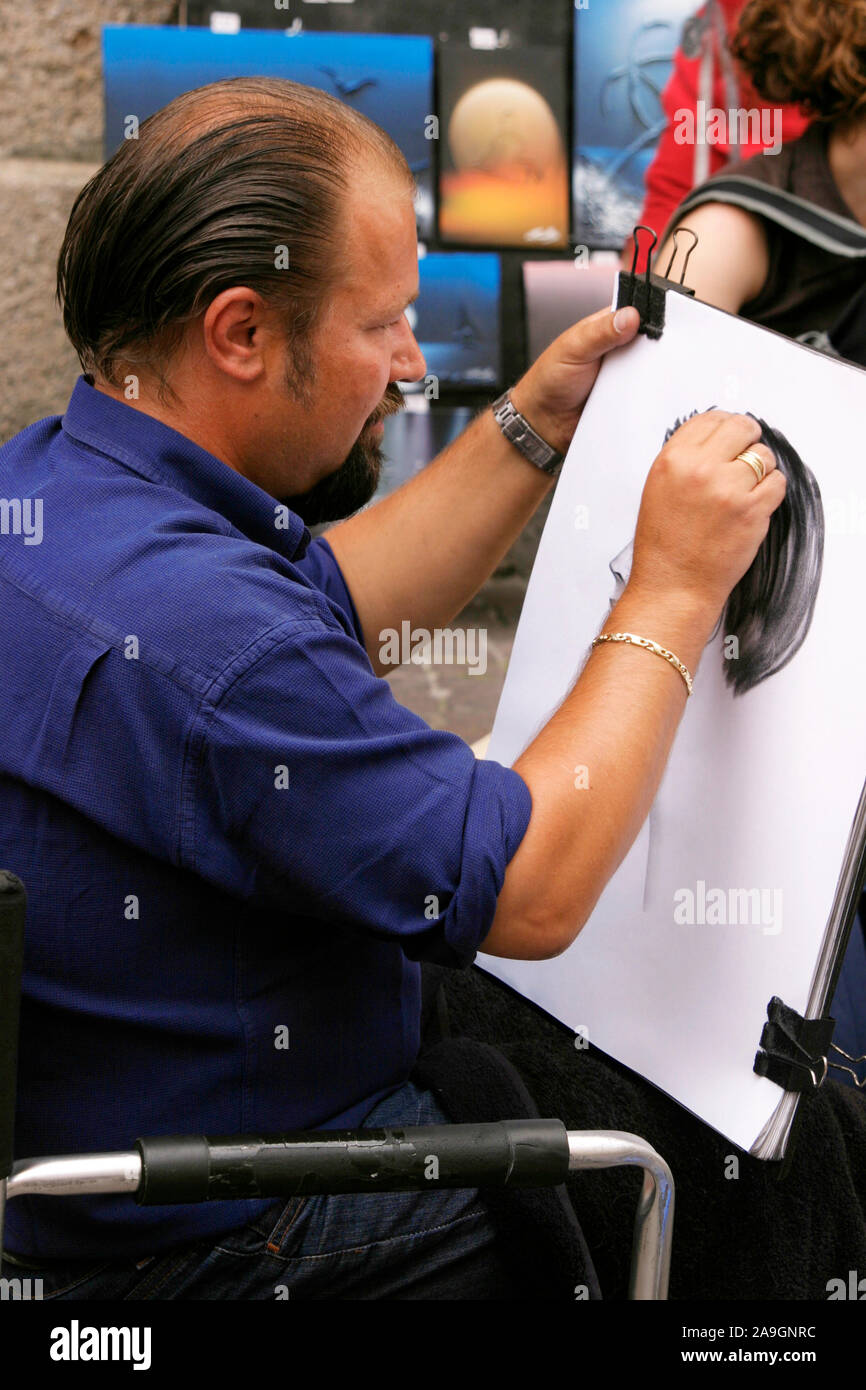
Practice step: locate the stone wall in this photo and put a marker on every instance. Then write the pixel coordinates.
(51, 118)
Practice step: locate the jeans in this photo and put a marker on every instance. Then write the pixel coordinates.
(439, 1244)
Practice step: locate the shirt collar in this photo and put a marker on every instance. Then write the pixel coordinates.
(156, 451)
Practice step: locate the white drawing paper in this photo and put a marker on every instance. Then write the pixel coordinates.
(756, 807)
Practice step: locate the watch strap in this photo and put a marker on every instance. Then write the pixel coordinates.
(519, 432)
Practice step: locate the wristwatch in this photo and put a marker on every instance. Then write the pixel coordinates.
(519, 432)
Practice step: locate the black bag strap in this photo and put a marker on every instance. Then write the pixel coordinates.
(838, 235)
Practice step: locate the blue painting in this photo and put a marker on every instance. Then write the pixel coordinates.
(622, 61)
(456, 317)
(388, 78)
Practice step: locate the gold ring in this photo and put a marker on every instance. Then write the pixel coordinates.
(755, 462)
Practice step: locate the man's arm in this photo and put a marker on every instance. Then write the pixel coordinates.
(423, 552)
(618, 722)
(702, 520)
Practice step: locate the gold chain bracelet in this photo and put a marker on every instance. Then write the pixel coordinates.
(650, 647)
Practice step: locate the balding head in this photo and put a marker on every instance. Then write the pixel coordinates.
(240, 182)
(241, 272)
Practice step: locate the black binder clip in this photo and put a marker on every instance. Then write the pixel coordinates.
(796, 1051)
(647, 292)
(793, 1050)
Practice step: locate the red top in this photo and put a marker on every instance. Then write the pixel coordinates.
(670, 176)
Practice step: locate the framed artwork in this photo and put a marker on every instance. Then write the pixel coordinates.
(503, 142)
(622, 61)
(559, 294)
(388, 78)
(456, 318)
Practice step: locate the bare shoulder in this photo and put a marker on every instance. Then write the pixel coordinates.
(731, 261)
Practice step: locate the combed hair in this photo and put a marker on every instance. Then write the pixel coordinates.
(215, 184)
(770, 610)
(806, 53)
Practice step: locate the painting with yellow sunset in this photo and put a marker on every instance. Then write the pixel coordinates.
(504, 169)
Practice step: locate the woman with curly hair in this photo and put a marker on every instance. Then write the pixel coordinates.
(703, 74)
(767, 256)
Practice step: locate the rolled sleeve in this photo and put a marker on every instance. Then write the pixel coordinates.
(328, 797)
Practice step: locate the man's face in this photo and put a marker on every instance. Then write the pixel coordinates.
(360, 347)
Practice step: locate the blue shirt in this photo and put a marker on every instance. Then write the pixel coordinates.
(237, 845)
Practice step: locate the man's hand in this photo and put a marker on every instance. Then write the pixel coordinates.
(553, 392)
(702, 519)
(702, 516)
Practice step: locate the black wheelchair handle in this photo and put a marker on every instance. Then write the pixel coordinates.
(508, 1153)
(13, 902)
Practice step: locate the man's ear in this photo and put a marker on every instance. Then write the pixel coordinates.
(234, 330)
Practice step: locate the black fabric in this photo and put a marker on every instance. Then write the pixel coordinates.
(746, 1236)
(788, 210)
(848, 335)
(541, 1242)
(815, 243)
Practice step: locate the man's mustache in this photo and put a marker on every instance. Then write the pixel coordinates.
(392, 402)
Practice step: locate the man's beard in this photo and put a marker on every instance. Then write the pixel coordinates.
(352, 485)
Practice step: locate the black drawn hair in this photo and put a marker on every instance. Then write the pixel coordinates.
(770, 610)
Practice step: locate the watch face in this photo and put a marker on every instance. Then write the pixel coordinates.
(520, 433)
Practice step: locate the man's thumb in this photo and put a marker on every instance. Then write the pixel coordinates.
(596, 335)
(625, 322)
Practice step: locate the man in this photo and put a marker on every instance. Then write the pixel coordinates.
(237, 846)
